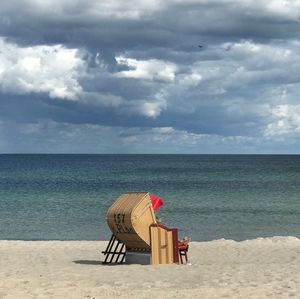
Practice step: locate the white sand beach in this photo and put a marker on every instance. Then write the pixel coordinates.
(261, 268)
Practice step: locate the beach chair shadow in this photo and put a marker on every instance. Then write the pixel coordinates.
(87, 262)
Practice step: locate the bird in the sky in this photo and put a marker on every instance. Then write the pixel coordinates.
(200, 46)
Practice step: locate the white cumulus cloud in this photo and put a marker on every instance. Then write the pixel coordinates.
(152, 69)
(285, 121)
(40, 69)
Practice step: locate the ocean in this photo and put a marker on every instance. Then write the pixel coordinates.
(207, 197)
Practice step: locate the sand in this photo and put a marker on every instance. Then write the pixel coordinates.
(261, 268)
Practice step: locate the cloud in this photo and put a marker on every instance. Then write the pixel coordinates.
(285, 121)
(150, 109)
(50, 136)
(151, 69)
(40, 69)
(97, 9)
(118, 26)
(137, 67)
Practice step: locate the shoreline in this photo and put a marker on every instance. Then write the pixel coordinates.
(263, 267)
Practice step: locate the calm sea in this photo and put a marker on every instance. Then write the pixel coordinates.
(65, 197)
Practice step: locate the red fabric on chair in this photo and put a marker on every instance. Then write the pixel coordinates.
(182, 246)
(157, 202)
(182, 251)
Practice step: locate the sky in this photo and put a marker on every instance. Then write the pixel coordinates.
(148, 76)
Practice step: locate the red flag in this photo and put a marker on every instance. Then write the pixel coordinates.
(157, 202)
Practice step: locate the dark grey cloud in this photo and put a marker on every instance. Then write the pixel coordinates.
(119, 27)
(132, 72)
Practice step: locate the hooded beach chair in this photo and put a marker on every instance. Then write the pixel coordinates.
(137, 236)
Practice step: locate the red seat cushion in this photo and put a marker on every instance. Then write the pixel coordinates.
(182, 246)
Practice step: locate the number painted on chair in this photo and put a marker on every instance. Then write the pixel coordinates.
(120, 224)
(119, 218)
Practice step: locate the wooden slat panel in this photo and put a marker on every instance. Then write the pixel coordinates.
(161, 245)
(154, 245)
(169, 247)
(130, 217)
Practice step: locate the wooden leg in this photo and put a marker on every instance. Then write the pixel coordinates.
(183, 252)
(180, 256)
(114, 251)
(109, 247)
(121, 253)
